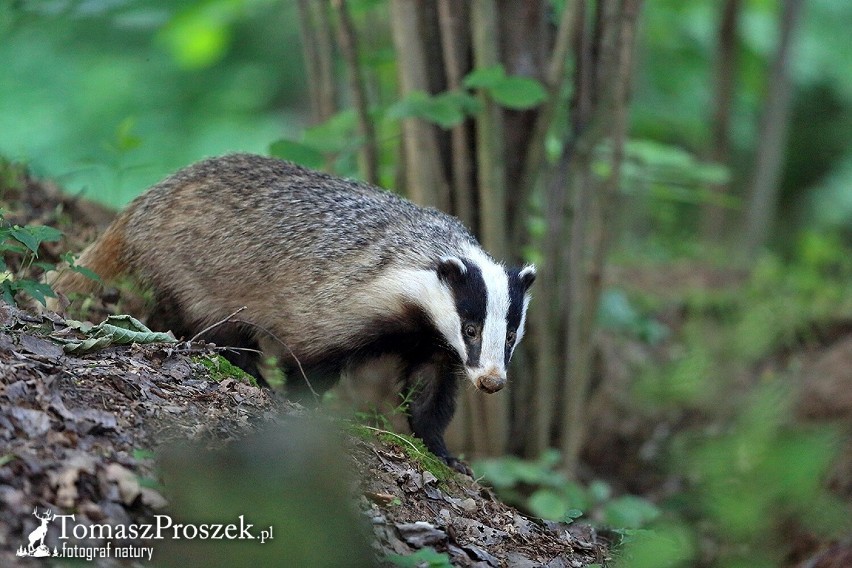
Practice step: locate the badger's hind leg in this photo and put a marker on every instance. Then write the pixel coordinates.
(434, 402)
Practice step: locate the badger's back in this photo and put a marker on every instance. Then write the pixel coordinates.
(306, 253)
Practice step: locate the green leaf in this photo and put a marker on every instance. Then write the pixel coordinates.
(23, 236)
(297, 152)
(485, 77)
(69, 258)
(198, 37)
(115, 330)
(335, 134)
(630, 512)
(513, 92)
(32, 236)
(518, 93)
(571, 515)
(37, 290)
(547, 504)
(446, 110)
(8, 292)
(88, 273)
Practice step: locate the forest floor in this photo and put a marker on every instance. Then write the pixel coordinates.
(125, 435)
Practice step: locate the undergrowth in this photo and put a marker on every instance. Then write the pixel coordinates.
(746, 469)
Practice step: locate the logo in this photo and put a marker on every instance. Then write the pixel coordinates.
(37, 536)
(162, 528)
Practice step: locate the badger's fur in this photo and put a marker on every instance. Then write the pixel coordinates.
(337, 271)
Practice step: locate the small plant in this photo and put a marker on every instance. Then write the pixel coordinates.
(375, 417)
(547, 493)
(23, 242)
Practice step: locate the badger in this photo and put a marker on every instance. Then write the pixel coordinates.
(337, 271)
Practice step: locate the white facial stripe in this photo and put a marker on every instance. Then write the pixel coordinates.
(492, 355)
(523, 325)
(423, 288)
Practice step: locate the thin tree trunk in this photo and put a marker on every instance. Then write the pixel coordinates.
(317, 43)
(713, 217)
(525, 38)
(534, 158)
(772, 135)
(591, 227)
(455, 43)
(425, 178)
(539, 389)
(548, 313)
(368, 154)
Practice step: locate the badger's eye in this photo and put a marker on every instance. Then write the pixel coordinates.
(511, 337)
(470, 331)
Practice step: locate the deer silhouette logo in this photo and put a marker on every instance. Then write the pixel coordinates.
(36, 546)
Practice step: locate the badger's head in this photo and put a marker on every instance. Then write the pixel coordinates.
(481, 313)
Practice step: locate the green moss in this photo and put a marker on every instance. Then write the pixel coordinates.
(417, 452)
(412, 447)
(221, 369)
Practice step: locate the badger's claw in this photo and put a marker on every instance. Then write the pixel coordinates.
(458, 465)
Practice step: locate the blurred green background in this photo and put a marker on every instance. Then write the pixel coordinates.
(108, 96)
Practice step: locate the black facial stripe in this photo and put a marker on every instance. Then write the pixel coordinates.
(471, 297)
(516, 304)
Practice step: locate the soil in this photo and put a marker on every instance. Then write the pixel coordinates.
(95, 436)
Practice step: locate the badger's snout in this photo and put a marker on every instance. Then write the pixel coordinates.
(491, 381)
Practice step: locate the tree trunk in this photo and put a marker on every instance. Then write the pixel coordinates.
(426, 182)
(772, 135)
(713, 217)
(317, 44)
(368, 154)
(592, 208)
(455, 45)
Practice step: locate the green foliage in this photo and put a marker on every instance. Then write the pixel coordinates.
(785, 303)
(375, 417)
(615, 312)
(71, 260)
(416, 451)
(297, 152)
(445, 109)
(665, 546)
(23, 242)
(750, 467)
(536, 486)
(758, 474)
(514, 92)
(423, 557)
(184, 79)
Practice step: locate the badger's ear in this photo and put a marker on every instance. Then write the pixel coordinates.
(451, 269)
(527, 276)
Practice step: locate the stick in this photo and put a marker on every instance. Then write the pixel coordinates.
(215, 325)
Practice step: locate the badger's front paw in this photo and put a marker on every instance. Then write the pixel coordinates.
(458, 465)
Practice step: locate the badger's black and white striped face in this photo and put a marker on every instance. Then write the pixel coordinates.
(481, 313)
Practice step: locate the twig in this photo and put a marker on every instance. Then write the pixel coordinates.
(215, 325)
(287, 347)
(395, 435)
(349, 48)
